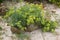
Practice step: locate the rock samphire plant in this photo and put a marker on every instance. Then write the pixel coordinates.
(29, 14)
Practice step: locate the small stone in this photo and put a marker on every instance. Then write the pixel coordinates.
(53, 11)
(32, 27)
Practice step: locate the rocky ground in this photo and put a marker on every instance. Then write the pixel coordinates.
(6, 34)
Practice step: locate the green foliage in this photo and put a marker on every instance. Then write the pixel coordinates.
(57, 2)
(49, 26)
(21, 0)
(0, 28)
(1, 1)
(29, 14)
(30, 0)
